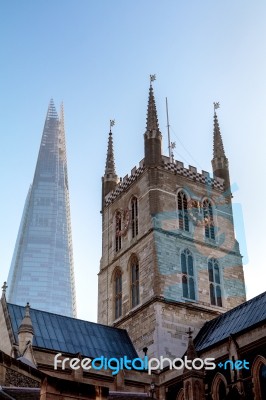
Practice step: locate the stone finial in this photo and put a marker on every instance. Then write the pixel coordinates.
(26, 323)
(27, 310)
(25, 335)
(191, 351)
(189, 332)
(4, 287)
(145, 350)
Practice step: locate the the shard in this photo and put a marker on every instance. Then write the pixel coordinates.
(41, 271)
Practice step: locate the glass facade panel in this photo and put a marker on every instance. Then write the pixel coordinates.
(41, 271)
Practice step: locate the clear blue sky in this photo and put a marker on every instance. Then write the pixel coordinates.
(96, 56)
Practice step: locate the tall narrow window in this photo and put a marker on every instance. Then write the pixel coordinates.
(134, 216)
(222, 391)
(134, 281)
(118, 230)
(118, 294)
(182, 211)
(262, 378)
(208, 219)
(215, 282)
(188, 282)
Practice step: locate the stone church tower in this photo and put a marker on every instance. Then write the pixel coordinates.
(170, 260)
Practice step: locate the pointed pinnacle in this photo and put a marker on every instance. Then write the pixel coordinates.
(27, 310)
(110, 160)
(26, 323)
(152, 120)
(191, 350)
(4, 287)
(218, 147)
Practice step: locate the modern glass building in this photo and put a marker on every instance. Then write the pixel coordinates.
(41, 271)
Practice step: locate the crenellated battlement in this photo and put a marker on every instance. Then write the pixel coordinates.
(192, 173)
(125, 183)
(176, 167)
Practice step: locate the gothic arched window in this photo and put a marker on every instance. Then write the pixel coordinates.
(180, 395)
(118, 293)
(182, 211)
(215, 282)
(134, 266)
(188, 280)
(197, 391)
(221, 391)
(219, 387)
(262, 378)
(118, 230)
(258, 372)
(208, 219)
(134, 216)
(188, 391)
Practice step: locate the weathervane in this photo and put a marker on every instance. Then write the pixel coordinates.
(152, 78)
(112, 122)
(215, 106)
(172, 156)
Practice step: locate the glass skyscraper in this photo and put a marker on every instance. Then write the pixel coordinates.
(41, 271)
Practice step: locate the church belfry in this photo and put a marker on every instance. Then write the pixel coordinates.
(170, 260)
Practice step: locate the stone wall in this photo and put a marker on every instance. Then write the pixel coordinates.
(5, 343)
(162, 326)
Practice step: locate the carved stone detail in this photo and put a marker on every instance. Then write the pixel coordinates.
(16, 379)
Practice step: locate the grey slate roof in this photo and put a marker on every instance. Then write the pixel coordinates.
(22, 393)
(240, 318)
(71, 335)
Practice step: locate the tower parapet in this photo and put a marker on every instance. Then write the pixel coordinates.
(177, 167)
